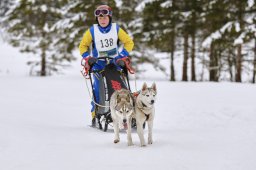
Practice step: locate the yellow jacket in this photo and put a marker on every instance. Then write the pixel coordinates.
(88, 39)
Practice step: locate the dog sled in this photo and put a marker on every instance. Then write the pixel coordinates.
(110, 79)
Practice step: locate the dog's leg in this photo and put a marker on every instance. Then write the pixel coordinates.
(116, 130)
(129, 135)
(150, 127)
(140, 133)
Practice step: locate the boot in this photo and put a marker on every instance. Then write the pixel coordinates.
(93, 119)
(93, 122)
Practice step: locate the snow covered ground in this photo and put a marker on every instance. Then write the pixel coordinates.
(198, 126)
(12, 62)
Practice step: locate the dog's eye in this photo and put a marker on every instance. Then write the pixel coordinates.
(147, 95)
(121, 111)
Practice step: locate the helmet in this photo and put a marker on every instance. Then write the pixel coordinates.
(103, 10)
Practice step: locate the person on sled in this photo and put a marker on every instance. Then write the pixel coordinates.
(104, 38)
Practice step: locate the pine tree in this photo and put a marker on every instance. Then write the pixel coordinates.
(231, 31)
(130, 19)
(160, 20)
(240, 6)
(31, 29)
(215, 17)
(5, 5)
(195, 26)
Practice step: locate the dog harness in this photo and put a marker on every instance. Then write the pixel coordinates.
(144, 106)
(135, 94)
(147, 117)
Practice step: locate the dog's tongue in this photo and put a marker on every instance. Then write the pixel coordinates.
(125, 126)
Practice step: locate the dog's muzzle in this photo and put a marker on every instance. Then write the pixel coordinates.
(125, 124)
(152, 101)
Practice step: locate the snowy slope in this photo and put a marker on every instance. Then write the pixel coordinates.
(12, 62)
(44, 125)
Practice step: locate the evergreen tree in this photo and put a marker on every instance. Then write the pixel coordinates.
(30, 27)
(231, 31)
(5, 5)
(215, 17)
(130, 20)
(195, 26)
(52, 29)
(225, 29)
(160, 20)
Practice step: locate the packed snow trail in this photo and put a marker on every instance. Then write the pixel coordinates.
(198, 126)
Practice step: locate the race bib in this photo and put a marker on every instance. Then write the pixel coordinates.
(106, 43)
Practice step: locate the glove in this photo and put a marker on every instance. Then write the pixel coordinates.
(87, 63)
(120, 62)
(92, 60)
(125, 62)
(88, 60)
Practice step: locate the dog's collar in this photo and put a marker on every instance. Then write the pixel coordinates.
(143, 106)
(147, 116)
(144, 109)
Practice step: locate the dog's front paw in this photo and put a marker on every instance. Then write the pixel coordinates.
(116, 140)
(143, 145)
(150, 141)
(130, 143)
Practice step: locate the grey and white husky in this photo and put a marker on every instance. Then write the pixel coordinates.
(122, 110)
(145, 111)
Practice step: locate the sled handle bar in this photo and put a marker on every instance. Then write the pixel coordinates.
(110, 58)
(100, 58)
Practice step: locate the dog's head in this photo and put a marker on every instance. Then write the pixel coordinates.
(124, 105)
(148, 94)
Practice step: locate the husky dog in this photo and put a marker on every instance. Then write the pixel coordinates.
(122, 110)
(145, 111)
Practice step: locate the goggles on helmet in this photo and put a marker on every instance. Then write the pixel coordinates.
(103, 12)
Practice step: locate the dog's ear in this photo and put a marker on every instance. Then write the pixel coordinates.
(144, 87)
(128, 98)
(117, 107)
(130, 107)
(118, 99)
(154, 86)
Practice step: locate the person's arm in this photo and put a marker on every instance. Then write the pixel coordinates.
(85, 44)
(127, 41)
